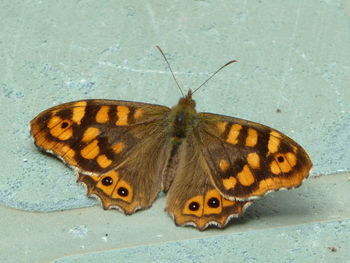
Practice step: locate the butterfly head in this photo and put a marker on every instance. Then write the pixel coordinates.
(187, 100)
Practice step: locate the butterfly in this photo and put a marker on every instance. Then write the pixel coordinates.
(211, 166)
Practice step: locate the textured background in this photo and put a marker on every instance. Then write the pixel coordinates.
(294, 56)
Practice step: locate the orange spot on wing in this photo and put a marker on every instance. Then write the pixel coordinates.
(61, 129)
(118, 147)
(273, 144)
(229, 183)
(90, 134)
(286, 162)
(138, 113)
(79, 111)
(252, 138)
(246, 177)
(224, 165)
(103, 161)
(253, 160)
(91, 150)
(102, 114)
(122, 113)
(283, 163)
(55, 120)
(221, 126)
(275, 169)
(108, 189)
(212, 210)
(226, 202)
(65, 135)
(291, 158)
(234, 133)
(125, 185)
(199, 212)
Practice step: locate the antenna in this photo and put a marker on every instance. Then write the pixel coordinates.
(228, 63)
(172, 73)
(212, 75)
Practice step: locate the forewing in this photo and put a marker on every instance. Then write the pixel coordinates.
(95, 135)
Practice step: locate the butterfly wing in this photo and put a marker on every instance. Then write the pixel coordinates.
(192, 198)
(111, 144)
(247, 159)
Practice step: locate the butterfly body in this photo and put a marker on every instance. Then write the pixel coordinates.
(211, 166)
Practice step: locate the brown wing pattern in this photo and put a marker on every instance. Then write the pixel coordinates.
(247, 159)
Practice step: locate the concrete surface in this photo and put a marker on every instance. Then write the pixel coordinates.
(294, 56)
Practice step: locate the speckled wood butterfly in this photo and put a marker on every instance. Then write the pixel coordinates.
(210, 165)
